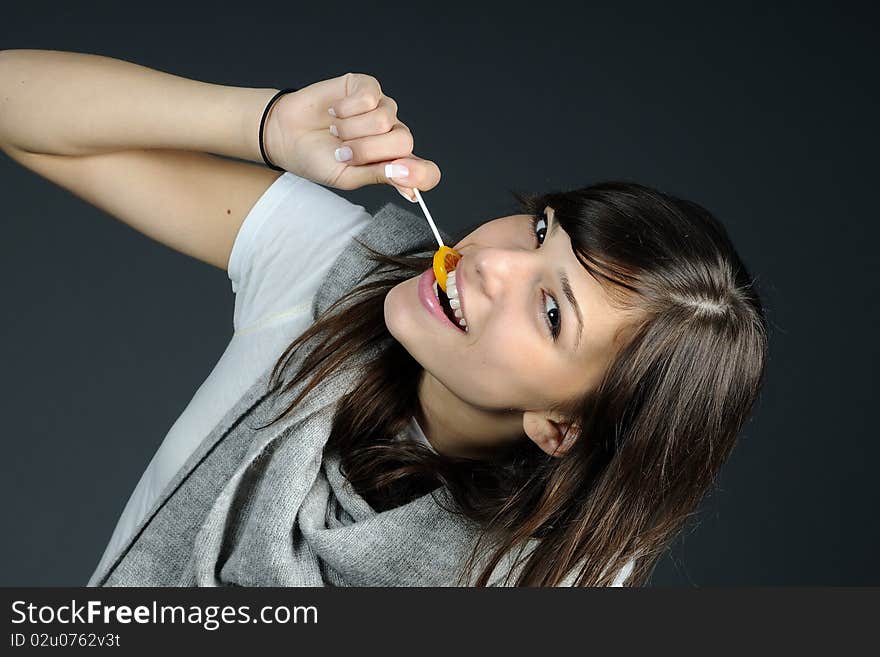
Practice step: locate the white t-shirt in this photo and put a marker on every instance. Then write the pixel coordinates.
(274, 279)
(281, 254)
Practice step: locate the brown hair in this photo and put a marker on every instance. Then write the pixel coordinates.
(655, 432)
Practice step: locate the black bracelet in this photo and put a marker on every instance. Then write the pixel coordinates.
(263, 125)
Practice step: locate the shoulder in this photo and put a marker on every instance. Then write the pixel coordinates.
(285, 246)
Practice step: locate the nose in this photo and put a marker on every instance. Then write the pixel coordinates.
(495, 269)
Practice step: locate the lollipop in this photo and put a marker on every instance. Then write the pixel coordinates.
(445, 260)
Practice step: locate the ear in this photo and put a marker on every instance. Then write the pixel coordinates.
(546, 430)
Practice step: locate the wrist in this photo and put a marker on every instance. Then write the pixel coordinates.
(229, 121)
(269, 136)
(248, 105)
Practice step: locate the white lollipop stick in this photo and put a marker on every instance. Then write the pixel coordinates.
(428, 215)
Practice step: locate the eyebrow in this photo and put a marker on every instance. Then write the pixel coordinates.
(569, 294)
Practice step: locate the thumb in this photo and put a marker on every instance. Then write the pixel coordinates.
(407, 173)
(416, 173)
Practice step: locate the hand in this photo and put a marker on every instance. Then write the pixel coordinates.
(297, 136)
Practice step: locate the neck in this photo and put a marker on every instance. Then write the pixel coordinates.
(458, 429)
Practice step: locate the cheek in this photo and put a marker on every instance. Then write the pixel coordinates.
(503, 349)
(502, 367)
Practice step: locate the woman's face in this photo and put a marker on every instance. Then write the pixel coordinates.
(512, 288)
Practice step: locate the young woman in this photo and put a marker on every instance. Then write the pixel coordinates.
(610, 340)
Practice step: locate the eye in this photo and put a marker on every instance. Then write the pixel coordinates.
(540, 232)
(551, 317)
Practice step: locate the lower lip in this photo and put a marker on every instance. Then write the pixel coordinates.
(431, 302)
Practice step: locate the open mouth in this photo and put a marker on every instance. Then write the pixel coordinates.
(447, 309)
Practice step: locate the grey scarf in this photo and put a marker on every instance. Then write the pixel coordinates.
(268, 508)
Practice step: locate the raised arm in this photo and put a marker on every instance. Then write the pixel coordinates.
(64, 103)
(124, 138)
(143, 144)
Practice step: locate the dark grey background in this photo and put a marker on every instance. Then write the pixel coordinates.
(767, 116)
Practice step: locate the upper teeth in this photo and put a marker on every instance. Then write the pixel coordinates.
(452, 294)
(454, 303)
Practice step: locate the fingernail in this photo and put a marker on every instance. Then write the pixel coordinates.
(332, 112)
(342, 154)
(334, 131)
(405, 196)
(396, 171)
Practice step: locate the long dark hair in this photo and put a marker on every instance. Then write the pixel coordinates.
(653, 435)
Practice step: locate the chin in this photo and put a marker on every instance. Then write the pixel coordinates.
(389, 313)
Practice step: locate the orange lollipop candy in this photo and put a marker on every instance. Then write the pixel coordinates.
(445, 260)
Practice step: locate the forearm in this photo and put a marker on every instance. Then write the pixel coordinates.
(66, 103)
